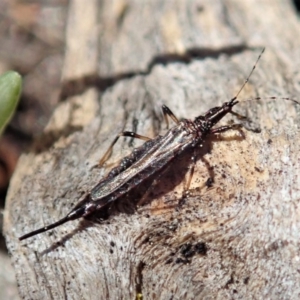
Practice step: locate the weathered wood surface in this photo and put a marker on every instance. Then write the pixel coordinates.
(243, 232)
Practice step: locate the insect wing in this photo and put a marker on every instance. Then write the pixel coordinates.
(152, 158)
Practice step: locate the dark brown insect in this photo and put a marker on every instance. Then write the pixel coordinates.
(152, 157)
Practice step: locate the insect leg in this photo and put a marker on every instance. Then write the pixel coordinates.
(207, 184)
(240, 117)
(152, 186)
(211, 173)
(190, 177)
(150, 189)
(167, 112)
(226, 128)
(108, 153)
(210, 170)
(191, 173)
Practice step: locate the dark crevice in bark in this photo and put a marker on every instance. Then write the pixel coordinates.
(77, 86)
(139, 280)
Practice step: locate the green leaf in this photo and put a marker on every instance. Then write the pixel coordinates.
(10, 90)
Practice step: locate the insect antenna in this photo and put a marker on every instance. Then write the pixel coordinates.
(247, 79)
(270, 98)
(260, 98)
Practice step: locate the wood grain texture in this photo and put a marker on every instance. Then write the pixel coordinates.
(238, 239)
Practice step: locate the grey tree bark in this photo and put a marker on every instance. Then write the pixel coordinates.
(239, 238)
